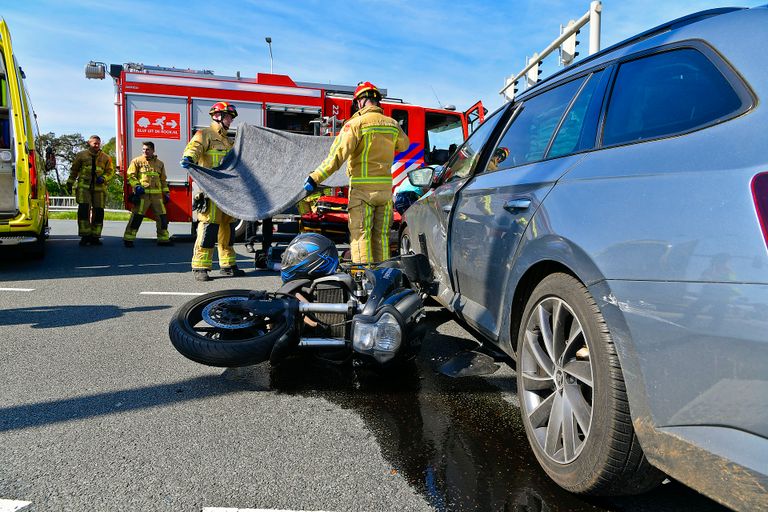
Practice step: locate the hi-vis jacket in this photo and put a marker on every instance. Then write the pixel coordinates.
(369, 140)
(149, 173)
(87, 166)
(209, 145)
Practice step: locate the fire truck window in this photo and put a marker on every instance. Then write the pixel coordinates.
(296, 122)
(443, 133)
(5, 125)
(401, 116)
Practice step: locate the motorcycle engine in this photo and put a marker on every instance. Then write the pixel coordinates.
(336, 322)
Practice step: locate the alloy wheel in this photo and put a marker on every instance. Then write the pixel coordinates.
(556, 380)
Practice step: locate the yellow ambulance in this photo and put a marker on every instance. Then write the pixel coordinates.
(23, 195)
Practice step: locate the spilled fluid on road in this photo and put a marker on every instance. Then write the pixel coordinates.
(459, 442)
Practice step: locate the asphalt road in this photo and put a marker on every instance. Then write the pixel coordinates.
(99, 412)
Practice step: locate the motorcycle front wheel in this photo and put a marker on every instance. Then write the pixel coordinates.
(215, 330)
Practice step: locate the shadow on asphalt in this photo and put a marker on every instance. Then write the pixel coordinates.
(57, 411)
(64, 258)
(48, 317)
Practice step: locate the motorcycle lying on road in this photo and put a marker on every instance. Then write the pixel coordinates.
(347, 311)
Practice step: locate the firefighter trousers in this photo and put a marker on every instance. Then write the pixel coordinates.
(214, 226)
(147, 201)
(370, 218)
(90, 211)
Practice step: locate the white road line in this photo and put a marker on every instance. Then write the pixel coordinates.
(171, 293)
(93, 267)
(13, 505)
(17, 289)
(229, 509)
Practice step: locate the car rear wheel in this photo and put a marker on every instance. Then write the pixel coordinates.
(572, 394)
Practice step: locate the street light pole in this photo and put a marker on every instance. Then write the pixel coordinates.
(269, 43)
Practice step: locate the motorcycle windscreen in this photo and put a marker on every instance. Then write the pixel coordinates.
(264, 173)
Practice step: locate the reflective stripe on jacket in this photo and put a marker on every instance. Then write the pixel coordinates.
(209, 145)
(149, 173)
(368, 142)
(82, 170)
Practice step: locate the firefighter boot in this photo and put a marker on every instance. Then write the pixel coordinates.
(201, 274)
(231, 272)
(95, 240)
(128, 243)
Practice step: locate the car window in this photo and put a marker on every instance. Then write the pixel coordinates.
(664, 94)
(528, 136)
(579, 127)
(464, 160)
(443, 132)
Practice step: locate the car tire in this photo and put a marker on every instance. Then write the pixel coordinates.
(36, 250)
(573, 398)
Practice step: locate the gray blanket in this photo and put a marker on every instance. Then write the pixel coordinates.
(264, 173)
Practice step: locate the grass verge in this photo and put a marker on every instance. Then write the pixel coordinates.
(73, 215)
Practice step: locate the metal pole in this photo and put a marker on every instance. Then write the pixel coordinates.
(595, 8)
(269, 43)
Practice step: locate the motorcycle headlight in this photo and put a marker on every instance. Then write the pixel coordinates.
(378, 336)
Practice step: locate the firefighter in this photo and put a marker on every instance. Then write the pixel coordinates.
(147, 178)
(368, 142)
(91, 170)
(207, 148)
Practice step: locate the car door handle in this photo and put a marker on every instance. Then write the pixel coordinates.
(517, 205)
(447, 209)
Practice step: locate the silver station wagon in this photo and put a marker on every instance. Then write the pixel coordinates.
(608, 231)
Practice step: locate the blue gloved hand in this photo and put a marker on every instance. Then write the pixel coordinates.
(186, 161)
(99, 180)
(166, 197)
(138, 190)
(310, 185)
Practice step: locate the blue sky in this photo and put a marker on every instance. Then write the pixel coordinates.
(457, 51)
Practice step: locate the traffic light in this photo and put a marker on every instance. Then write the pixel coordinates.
(532, 76)
(568, 48)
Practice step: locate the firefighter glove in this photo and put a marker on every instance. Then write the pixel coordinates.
(310, 185)
(138, 190)
(99, 180)
(199, 204)
(166, 197)
(185, 162)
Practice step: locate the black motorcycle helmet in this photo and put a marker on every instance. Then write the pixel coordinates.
(308, 256)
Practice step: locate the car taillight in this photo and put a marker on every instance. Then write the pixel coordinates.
(760, 196)
(32, 175)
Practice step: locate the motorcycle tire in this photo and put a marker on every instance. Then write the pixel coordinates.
(245, 340)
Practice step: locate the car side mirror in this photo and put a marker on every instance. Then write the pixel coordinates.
(421, 177)
(50, 159)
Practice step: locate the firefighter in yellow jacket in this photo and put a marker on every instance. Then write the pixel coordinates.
(91, 170)
(207, 148)
(147, 178)
(368, 142)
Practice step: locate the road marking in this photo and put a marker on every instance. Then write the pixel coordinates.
(93, 267)
(17, 289)
(13, 505)
(229, 509)
(172, 293)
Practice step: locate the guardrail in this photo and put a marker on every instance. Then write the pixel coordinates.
(68, 203)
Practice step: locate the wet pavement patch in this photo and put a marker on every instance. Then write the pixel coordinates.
(457, 441)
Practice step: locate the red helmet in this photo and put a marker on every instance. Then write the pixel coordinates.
(224, 108)
(366, 90)
(501, 153)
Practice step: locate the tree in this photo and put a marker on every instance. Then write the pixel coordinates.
(65, 147)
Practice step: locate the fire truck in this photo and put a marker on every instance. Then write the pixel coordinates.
(167, 105)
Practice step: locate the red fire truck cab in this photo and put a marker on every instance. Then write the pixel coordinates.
(167, 106)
